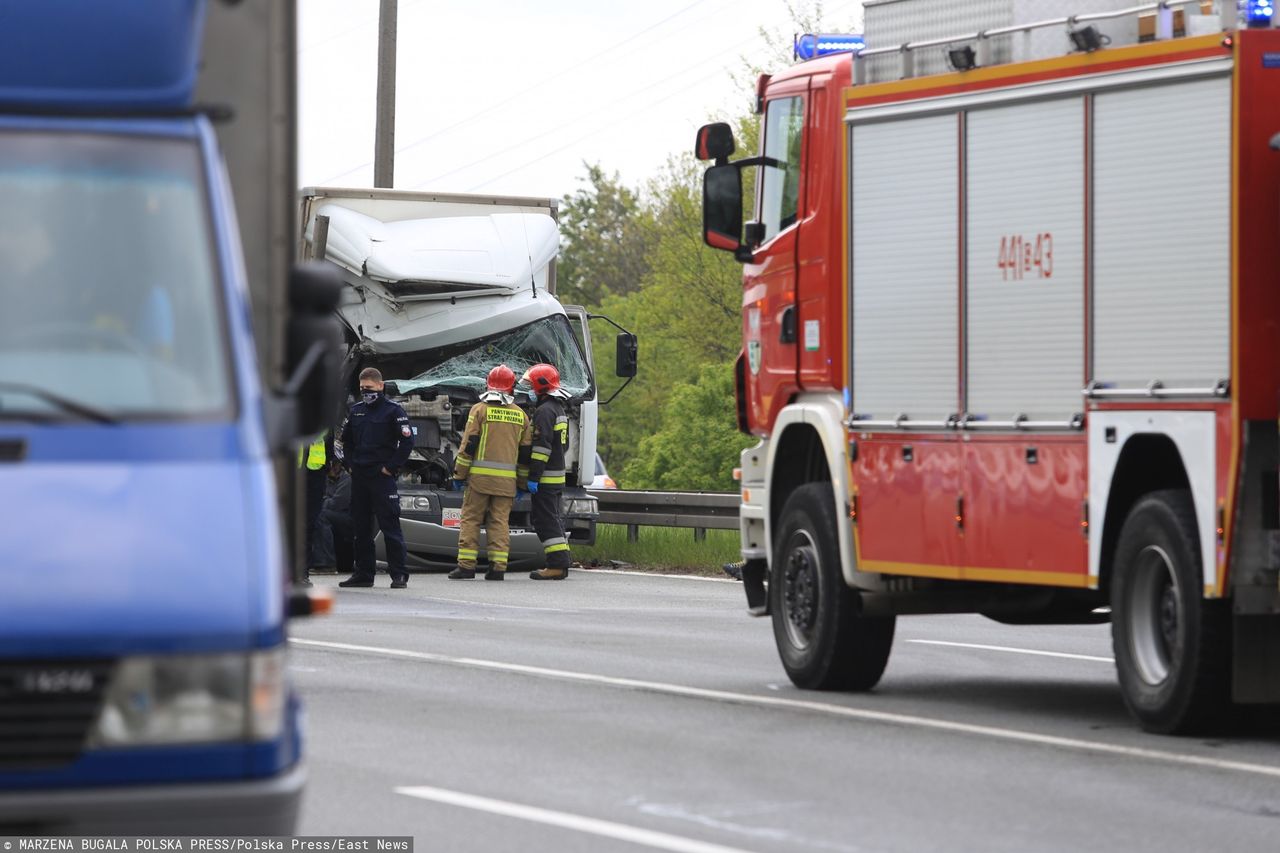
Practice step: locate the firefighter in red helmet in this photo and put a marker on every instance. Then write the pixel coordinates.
(493, 466)
(547, 469)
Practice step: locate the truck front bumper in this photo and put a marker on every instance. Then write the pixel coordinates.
(249, 807)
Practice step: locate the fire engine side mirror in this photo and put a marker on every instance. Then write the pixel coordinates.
(722, 208)
(715, 142)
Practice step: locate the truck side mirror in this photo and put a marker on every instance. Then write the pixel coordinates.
(722, 208)
(313, 347)
(715, 142)
(626, 355)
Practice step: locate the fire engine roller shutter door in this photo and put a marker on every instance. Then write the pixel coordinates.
(905, 258)
(1162, 180)
(1025, 260)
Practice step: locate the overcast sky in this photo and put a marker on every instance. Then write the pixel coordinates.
(511, 96)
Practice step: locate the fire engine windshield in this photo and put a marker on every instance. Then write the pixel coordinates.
(549, 340)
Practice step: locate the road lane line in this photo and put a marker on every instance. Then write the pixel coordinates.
(1066, 655)
(864, 714)
(578, 823)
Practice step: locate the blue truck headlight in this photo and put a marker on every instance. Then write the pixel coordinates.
(193, 699)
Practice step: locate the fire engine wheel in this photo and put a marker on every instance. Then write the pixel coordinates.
(1171, 644)
(824, 641)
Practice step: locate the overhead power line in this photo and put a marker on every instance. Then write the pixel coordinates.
(573, 69)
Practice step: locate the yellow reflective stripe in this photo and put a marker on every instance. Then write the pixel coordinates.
(505, 416)
(553, 481)
(484, 437)
(541, 457)
(467, 554)
(482, 470)
(498, 556)
(551, 549)
(523, 471)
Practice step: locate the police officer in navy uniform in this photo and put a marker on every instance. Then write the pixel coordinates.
(375, 441)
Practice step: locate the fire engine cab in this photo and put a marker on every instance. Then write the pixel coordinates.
(1011, 338)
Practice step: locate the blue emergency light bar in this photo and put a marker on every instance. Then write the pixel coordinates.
(1258, 13)
(811, 46)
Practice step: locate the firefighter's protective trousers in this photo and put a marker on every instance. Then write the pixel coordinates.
(547, 468)
(549, 527)
(494, 462)
(491, 512)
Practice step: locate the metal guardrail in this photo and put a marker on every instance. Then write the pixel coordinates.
(700, 511)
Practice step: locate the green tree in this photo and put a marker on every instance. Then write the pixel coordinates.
(697, 443)
(604, 235)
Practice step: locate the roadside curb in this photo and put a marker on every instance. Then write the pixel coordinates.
(654, 575)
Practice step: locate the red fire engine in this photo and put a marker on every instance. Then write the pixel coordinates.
(1011, 344)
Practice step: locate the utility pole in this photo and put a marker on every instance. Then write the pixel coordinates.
(384, 143)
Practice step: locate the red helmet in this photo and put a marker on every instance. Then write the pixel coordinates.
(502, 379)
(542, 378)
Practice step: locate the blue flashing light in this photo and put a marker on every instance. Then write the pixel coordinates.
(810, 46)
(1258, 13)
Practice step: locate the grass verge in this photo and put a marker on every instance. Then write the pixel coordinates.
(667, 549)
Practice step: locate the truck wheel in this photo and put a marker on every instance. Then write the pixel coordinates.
(1172, 646)
(824, 641)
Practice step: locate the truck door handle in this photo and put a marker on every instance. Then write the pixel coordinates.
(788, 324)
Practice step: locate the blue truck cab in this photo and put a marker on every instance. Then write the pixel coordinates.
(144, 589)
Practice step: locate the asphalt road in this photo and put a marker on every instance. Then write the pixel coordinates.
(621, 712)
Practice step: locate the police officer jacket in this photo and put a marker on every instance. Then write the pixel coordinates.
(550, 438)
(495, 447)
(376, 435)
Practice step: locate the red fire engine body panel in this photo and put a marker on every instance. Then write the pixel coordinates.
(1001, 506)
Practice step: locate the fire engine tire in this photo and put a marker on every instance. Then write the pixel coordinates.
(824, 641)
(1172, 646)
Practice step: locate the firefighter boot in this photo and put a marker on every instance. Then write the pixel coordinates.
(461, 574)
(494, 575)
(549, 574)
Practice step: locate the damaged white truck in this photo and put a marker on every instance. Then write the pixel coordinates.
(439, 289)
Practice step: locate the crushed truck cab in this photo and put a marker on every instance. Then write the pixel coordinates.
(439, 290)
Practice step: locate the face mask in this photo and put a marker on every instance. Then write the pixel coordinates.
(370, 397)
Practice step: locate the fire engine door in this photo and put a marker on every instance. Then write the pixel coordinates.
(770, 314)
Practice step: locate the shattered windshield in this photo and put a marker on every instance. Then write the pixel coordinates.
(548, 341)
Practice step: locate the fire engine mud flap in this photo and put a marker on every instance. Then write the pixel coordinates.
(753, 581)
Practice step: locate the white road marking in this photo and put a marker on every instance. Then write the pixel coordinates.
(1096, 658)
(578, 823)
(864, 714)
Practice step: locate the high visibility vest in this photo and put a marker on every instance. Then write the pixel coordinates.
(315, 454)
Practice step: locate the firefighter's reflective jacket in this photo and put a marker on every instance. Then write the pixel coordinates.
(494, 458)
(550, 438)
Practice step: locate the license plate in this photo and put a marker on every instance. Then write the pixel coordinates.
(452, 517)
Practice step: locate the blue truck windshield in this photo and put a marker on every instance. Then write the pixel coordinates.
(109, 298)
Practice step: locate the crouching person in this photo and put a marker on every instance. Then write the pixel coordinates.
(497, 436)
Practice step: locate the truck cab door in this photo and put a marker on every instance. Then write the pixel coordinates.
(770, 318)
(581, 457)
